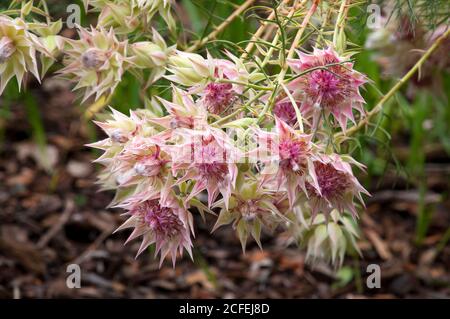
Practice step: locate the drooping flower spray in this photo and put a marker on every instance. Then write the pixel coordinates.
(252, 136)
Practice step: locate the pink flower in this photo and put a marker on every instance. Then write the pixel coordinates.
(161, 221)
(334, 90)
(218, 97)
(119, 128)
(338, 186)
(292, 153)
(207, 157)
(141, 163)
(183, 112)
(285, 111)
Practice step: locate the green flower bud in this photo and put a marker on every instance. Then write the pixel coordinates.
(148, 55)
(328, 239)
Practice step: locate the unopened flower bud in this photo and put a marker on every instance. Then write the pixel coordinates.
(148, 54)
(7, 49)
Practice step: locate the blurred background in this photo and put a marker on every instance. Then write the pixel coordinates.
(52, 215)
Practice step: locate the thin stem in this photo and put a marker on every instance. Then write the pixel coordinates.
(97, 106)
(298, 114)
(259, 32)
(277, 36)
(250, 85)
(291, 52)
(229, 116)
(297, 39)
(320, 67)
(320, 36)
(379, 106)
(338, 26)
(270, 51)
(45, 6)
(300, 31)
(200, 43)
(241, 109)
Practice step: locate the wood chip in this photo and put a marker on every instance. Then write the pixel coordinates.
(380, 246)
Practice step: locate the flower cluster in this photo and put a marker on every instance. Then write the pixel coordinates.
(132, 15)
(280, 178)
(247, 139)
(97, 61)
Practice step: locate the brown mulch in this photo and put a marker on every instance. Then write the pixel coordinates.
(49, 220)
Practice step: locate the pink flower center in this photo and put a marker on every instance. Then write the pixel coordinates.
(161, 220)
(218, 97)
(216, 171)
(325, 84)
(293, 154)
(211, 162)
(332, 183)
(286, 112)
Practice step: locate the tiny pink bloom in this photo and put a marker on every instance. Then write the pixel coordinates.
(338, 186)
(285, 111)
(227, 69)
(232, 69)
(160, 221)
(293, 154)
(334, 90)
(120, 129)
(218, 97)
